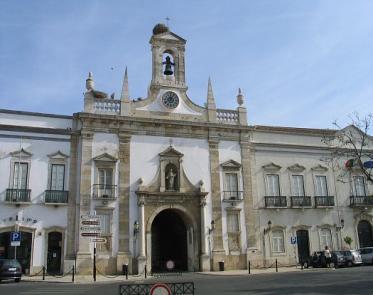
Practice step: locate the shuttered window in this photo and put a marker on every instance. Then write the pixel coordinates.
(273, 185)
(321, 187)
(297, 185)
(20, 175)
(359, 186)
(57, 177)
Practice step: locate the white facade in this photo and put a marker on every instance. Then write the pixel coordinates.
(163, 170)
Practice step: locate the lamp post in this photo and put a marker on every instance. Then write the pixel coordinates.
(136, 229)
(265, 231)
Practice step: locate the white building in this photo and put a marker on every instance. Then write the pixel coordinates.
(172, 181)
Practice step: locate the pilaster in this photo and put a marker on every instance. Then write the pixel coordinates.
(218, 252)
(84, 262)
(124, 256)
(71, 209)
(252, 250)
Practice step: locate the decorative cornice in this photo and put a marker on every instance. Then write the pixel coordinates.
(105, 157)
(171, 152)
(22, 153)
(58, 155)
(296, 168)
(230, 164)
(271, 167)
(319, 168)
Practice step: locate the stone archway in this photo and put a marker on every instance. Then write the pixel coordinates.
(169, 241)
(187, 238)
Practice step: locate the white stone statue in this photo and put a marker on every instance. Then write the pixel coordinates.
(170, 177)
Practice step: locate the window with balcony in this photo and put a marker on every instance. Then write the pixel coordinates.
(297, 186)
(19, 191)
(298, 198)
(322, 198)
(104, 186)
(273, 185)
(231, 179)
(321, 187)
(359, 186)
(56, 192)
(278, 241)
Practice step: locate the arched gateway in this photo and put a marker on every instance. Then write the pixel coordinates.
(169, 242)
(171, 218)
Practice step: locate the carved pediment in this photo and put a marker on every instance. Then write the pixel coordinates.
(171, 152)
(319, 168)
(231, 164)
(271, 167)
(58, 156)
(296, 168)
(105, 157)
(22, 153)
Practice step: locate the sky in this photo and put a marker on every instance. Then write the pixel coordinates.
(300, 63)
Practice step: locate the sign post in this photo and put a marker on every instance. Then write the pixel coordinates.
(90, 227)
(15, 241)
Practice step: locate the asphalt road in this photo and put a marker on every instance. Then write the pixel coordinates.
(356, 280)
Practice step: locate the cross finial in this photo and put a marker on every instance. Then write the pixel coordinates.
(167, 20)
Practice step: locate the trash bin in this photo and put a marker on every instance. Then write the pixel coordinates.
(221, 265)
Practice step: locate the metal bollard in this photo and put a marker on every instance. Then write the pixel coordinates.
(125, 270)
(73, 277)
(145, 271)
(43, 273)
(276, 266)
(249, 267)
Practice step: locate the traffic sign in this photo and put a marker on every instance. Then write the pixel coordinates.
(160, 289)
(90, 225)
(15, 238)
(99, 240)
(293, 240)
(90, 235)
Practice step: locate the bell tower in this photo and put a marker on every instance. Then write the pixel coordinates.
(168, 66)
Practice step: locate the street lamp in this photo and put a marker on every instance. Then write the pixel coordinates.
(136, 228)
(212, 228)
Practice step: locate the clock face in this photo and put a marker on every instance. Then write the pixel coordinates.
(170, 100)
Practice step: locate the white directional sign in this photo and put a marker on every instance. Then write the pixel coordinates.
(90, 225)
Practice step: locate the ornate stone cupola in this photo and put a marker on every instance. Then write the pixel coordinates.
(168, 68)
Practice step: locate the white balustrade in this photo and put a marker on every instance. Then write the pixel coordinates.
(227, 116)
(110, 106)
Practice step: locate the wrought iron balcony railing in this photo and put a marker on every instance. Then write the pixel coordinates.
(356, 201)
(104, 191)
(18, 195)
(300, 201)
(56, 197)
(275, 201)
(324, 201)
(232, 196)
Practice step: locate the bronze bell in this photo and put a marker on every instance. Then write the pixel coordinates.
(168, 68)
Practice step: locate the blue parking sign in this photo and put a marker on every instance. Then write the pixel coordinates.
(15, 238)
(293, 240)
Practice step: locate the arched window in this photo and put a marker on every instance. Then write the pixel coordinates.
(278, 241)
(325, 238)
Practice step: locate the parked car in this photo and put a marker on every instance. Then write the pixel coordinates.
(352, 257)
(366, 255)
(318, 259)
(339, 259)
(10, 269)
